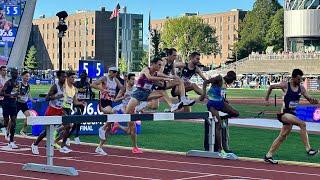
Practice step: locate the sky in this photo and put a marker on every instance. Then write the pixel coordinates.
(159, 8)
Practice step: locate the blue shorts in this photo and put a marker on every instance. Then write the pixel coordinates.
(141, 94)
(218, 105)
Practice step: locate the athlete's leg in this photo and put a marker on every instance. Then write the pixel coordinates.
(218, 134)
(285, 131)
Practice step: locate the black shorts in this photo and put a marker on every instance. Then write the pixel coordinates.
(279, 116)
(9, 110)
(160, 86)
(105, 102)
(22, 107)
(67, 111)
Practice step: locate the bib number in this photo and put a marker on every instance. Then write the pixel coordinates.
(147, 86)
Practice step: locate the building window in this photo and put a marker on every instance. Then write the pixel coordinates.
(86, 43)
(92, 20)
(43, 26)
(68, 44)
(75, 55)
(79, 43)
(92, 53)
(68, 34)
(64, 55)
(75, 34)
(80, 54)
(68, 55)
(75, 44)
(92, 32)
(53, 56)
(64, 45)
(75, 23)
(53, 45)
(53, 36)
(47, 26)
(234, 19)
(92, 43)
(229, 18)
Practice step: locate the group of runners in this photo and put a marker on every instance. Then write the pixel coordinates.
(138, 93)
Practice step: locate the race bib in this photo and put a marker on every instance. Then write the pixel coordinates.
(147, 86)
(69, 100)
(112, 92)
(58, 103)
(24, 98)
(81, 96)
(293, 104)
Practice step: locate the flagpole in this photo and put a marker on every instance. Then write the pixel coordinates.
(149, 46)
(117, 43)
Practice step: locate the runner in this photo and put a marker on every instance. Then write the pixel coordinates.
(292, 93)
(3, 79)
(188, 70)
(69, 100)
(177, 86)
(84, 93)
(145, 92)
(10, 92)
(107, 86)
(55, 98)
(217, 101)
(24, 96)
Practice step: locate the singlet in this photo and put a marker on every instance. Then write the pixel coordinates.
(187, 73)
(168, 68)
(144, 83)
(217, 93)
(127, 94)
(24, 91)
(110, 87)
(57, 103)
(83, 90)
(12, 89)
(69, 93)
(291, 99)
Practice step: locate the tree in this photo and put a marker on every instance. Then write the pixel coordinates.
(255, 26)
(145, 60)
(155, 40)
(275, 35)
(123, 65)
(30, 61)
(188, 34)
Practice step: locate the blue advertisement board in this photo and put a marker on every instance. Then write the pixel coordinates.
(310, 113)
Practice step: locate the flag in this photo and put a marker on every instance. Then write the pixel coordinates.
(115, 12)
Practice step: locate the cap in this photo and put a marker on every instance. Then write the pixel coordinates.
(113, 69)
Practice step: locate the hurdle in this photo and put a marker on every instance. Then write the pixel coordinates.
(51, 121)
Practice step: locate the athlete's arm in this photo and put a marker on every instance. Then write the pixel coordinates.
(146, 72)
(179, 65)
(96, 84)
(164, 62)
(213, 80)
(282, 85)
(51, 94)
(199, 72)
(120, 95)
(308, 97)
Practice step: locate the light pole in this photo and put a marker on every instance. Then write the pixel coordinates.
(62, 27)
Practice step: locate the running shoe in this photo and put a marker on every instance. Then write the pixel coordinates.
(57, 146)
(22, 133)
(65, 150)
(141, 106)
(12, 145)
(136, 150)
(188, 102)
(223, 154)
(270, 160)
(34, 149)
(312, 152)
(100, 151)
(177, 106)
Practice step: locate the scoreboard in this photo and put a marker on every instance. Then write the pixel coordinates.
(93, 68)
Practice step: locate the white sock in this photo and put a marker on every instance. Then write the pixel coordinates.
(183, 98)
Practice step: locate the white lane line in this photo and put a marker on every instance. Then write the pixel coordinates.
(22, 177)
(130, 166)
(91, 172)
(237, 177)
(202, 164)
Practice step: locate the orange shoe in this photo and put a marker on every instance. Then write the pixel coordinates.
(136, 150)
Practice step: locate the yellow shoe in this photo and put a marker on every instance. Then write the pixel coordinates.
(57, 146)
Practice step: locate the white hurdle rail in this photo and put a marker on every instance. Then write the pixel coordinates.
(50, 121)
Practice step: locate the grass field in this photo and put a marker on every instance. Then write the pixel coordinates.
(183, 136)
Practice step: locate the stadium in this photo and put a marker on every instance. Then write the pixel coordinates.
(88, 120)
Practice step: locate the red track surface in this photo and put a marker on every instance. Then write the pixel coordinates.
(121, 164)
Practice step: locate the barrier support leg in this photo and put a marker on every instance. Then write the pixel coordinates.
(49, 167)
(211, 139)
